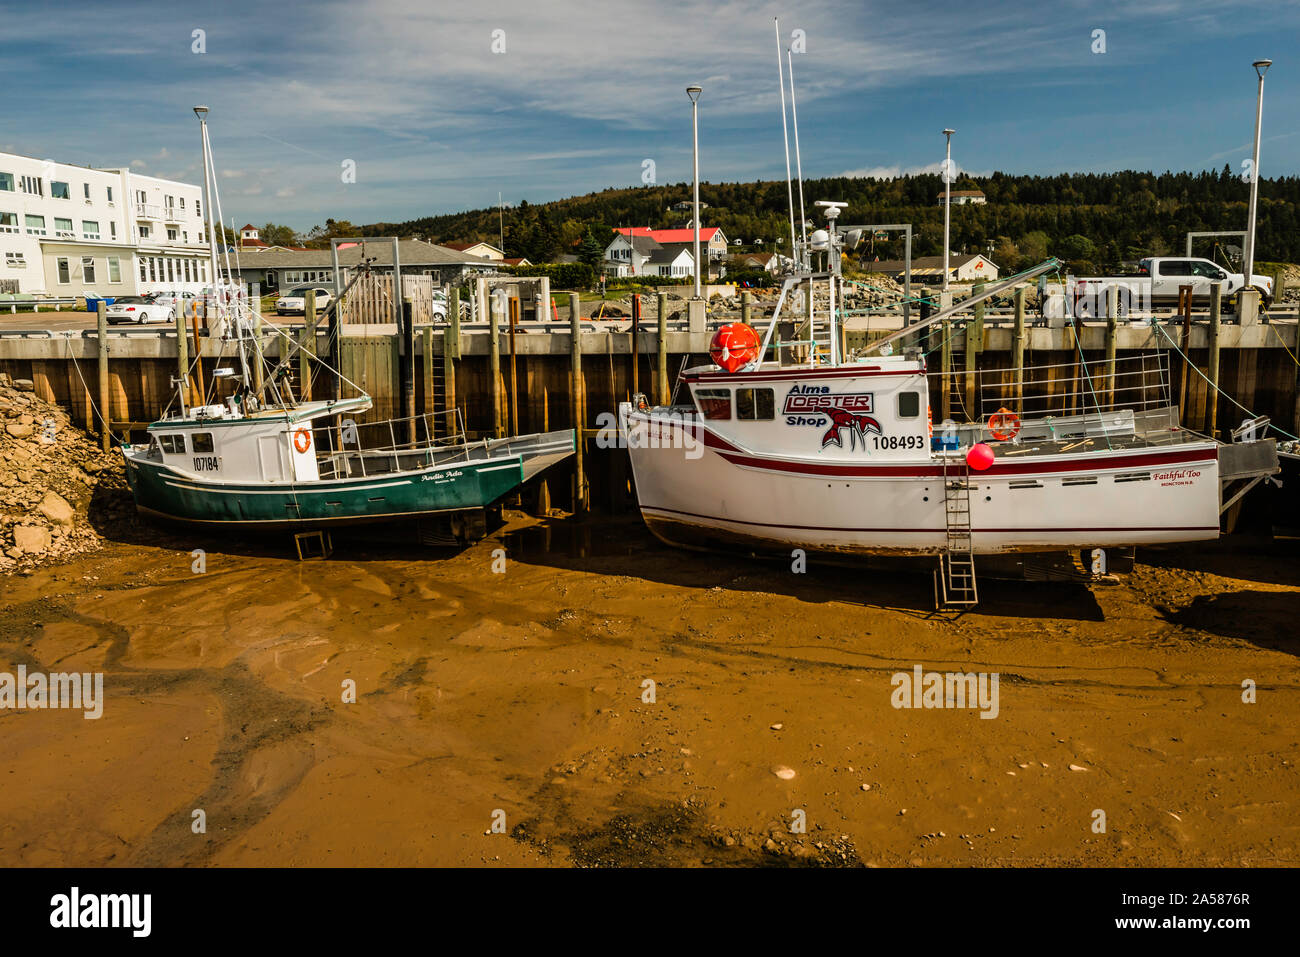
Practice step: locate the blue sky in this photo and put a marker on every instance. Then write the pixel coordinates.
(584, 93)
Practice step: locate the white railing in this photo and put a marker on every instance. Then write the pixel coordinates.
(147, 211)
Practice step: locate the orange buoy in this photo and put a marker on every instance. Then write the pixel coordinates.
(1004, 424)
(302, 440)
(734, 346)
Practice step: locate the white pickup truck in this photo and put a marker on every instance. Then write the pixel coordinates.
(1157, 281)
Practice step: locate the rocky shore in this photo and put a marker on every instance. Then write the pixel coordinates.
(59, 493)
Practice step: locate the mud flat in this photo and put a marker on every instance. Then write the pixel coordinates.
(522, 693)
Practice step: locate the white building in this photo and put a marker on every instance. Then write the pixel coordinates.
(640, 255)
(67, 230)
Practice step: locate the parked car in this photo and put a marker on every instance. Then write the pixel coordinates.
(295, 300)
(439, 308)
(138, 309)
(1157, 281)
(173, 298)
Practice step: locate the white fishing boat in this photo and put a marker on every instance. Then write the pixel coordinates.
(799, 444)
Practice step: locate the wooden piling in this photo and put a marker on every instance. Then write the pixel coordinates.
(1184, 383)
(1112, 334)
(1018, 348)
(494, 363)
(258, 371)
(307, 346)
(514, 368)
(307, 349)
(101, 325)
(974, 342)
(1212, 397)
(746, 306)
(407, 374)
(182, 357)
(662, 349)
(636, 332)
(576, 404)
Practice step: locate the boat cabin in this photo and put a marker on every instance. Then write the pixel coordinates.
(877, 408)
(213, 443)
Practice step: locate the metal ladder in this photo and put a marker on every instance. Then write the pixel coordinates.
(955, 578)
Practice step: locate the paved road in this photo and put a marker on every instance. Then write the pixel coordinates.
(66, 321)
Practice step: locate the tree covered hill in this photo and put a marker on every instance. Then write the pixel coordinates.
(1093, 220)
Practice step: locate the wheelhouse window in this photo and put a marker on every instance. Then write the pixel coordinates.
(909, 405)
(755, 404)
(201, 441)
(172, 444)
(714, 403)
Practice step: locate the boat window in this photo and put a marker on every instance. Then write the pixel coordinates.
(201, 441)
(714, 403)
(172, 443)
(909, 405)
(755, 404)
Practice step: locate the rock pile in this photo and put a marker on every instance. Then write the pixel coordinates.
(50, 473)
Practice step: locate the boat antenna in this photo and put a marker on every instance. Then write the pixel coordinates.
(798, 162)
(785, 132)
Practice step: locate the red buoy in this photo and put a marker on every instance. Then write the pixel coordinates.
(980, 457)
(734, 346)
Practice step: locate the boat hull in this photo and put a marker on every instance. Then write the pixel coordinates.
(167, 493)
(722, 495)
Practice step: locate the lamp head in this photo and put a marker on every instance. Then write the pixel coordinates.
(694, 92)
(200, 111)
(1261, 67)
(949, 132)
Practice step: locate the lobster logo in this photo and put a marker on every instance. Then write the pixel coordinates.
(858, 426)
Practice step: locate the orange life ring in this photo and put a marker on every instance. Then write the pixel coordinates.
(1004, 424)
(302, 440)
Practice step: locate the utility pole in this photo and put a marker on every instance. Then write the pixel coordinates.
(947, 203)
(694, 93)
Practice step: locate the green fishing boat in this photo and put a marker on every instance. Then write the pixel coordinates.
(250, 454)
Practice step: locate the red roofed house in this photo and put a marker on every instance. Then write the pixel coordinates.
(248, 238)
(639, 250)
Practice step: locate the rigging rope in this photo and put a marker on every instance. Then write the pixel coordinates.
(1192, 365)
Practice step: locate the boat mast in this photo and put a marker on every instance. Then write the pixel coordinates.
(794, 118)
(232, 315)
(785, 132)
(202, 113)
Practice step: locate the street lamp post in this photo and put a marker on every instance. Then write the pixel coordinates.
(947, 202)
(1248, 266)
(694, 93)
